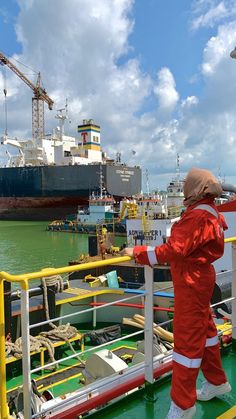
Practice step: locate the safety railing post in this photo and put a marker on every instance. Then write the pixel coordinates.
(234, 295)
(26, 351)
(3, 390)
(94, 313)
(148, 332)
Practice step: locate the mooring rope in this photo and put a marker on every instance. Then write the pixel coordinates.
(36, 342)
(46, 339)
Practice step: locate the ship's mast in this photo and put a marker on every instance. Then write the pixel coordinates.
(177, 168)
(118, 157)
(62, 115)
(5, 101)
(101, 177)
(147, 181)
(220, 176)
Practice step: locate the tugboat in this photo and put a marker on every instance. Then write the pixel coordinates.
(101, 213)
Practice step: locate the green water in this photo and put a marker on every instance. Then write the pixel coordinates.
(28, 247)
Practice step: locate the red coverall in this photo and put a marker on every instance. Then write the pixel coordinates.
(196, 241)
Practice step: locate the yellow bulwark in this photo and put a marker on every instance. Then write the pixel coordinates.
(80, 293)
(230, 414)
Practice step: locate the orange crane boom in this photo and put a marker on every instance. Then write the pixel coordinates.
(40, 96)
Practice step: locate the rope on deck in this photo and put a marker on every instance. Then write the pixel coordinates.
(46, 339)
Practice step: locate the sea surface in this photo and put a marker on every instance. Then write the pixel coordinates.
(26, 246)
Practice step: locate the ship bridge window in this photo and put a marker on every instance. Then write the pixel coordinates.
(67, 153)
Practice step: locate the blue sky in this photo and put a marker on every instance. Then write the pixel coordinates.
(8, 13)
(155, 74)
(162, 38)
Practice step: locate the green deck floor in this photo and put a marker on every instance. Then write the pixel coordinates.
(135, 406)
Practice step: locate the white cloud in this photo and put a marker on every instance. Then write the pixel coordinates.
(189, 102)
(77, 49)
(165, 90)
(81, 51)
(211, 17)
(218, 48)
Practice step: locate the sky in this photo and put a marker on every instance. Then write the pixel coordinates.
(156, 75)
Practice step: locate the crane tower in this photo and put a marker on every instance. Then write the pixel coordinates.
(40, 96)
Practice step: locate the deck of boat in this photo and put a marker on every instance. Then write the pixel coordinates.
(136, 406)
(68, 376)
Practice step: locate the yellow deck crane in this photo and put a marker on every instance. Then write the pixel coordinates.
(128, 208)
(40, 96)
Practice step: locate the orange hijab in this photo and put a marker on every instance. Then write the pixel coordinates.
(199, 184)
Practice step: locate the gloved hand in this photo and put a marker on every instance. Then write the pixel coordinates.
(127, 251)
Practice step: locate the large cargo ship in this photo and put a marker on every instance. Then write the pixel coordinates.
(49, 177)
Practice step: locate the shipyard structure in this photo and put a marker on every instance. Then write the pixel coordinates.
(47, 178)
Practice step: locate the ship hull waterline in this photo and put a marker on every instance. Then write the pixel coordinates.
(49, 192)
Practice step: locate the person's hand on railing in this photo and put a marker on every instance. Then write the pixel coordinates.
(127, 251)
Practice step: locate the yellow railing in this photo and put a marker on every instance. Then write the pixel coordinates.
(230, 240)
(24, 280)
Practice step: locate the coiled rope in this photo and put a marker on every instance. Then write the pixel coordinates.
(47, 338)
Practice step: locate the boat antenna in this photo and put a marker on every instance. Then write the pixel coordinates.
(118, 157)
(147, 181)
(221, 177)
(101, 181)
(177, 167)
(5, 100)
(62, 115)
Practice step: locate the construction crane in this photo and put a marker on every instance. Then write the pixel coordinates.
(40, 96)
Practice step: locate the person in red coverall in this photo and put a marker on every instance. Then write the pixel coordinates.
(196, 241)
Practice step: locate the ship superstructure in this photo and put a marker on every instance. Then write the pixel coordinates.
(58, 148)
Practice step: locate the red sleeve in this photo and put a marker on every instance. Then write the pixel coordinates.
(141, 254)
(223, 222)
(195, 238)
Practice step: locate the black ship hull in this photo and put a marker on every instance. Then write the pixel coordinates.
(50, 192)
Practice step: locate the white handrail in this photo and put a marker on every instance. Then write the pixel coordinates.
(66, 316)
(148, 331)
(27, 388)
